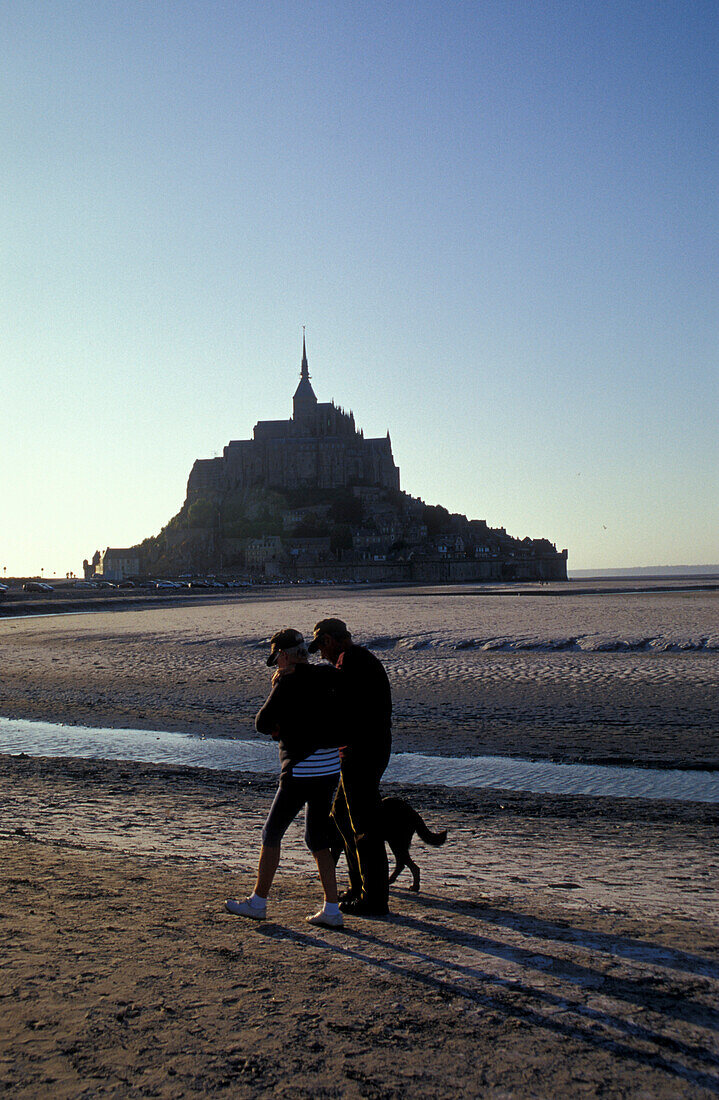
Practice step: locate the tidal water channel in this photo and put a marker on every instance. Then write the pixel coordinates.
(157, 747)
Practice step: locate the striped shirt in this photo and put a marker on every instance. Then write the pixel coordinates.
(320, 762)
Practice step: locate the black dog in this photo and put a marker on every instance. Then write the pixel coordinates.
(399, 824)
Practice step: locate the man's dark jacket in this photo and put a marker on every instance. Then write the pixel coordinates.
(368, 702)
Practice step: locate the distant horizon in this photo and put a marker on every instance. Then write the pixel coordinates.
(636, 570)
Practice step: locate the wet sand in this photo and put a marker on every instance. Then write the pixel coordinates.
(599, 678)
(559, 946)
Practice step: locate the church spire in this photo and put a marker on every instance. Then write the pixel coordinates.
(304, 370)
(304, 402)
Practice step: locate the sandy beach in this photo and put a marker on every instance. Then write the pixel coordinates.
(604, 677)
(560, 946)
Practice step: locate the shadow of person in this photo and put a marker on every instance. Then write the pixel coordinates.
(566, 971)
(639, 951)
(388, 950)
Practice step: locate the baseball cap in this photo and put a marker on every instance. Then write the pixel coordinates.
(287, 638)
(334, 627)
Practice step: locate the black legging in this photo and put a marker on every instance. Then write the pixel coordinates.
(292, 795)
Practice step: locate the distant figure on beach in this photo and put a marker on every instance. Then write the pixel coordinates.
(367, 704)
(301, 712)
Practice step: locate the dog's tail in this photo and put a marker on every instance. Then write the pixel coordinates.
(425, 834)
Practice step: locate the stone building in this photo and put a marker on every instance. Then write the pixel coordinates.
(264, 555)
(113, 564)
(319, 447)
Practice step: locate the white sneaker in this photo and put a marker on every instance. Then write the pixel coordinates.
(327, 920)
(245, 909)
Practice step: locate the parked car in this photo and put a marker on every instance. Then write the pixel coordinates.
(37, 586)
(126, 584)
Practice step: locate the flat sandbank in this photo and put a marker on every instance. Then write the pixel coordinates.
(628, 678)
(559, 947)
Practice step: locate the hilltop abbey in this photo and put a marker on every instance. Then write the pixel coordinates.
(310, 499)
(319, 447)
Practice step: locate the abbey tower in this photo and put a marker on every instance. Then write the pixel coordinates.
(318, 447)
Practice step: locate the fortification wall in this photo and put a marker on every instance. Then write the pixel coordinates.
(437, 571)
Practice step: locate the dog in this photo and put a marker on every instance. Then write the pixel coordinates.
(399, 824)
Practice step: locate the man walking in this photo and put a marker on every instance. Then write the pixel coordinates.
(356, 810)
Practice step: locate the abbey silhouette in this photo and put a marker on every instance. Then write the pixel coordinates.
(309, 498)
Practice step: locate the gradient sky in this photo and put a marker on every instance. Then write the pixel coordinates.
(497, 220)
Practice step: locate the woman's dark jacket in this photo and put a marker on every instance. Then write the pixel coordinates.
(304, 709)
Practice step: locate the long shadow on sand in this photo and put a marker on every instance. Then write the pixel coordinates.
(639, 951)
(560, 969)
(526, 1002)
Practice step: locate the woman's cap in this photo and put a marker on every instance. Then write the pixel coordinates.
(287, 638)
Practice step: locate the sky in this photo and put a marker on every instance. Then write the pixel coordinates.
(497, 220)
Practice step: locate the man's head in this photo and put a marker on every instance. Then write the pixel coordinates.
(287, 647)
(331, 637)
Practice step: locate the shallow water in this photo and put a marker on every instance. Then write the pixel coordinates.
(157, 747)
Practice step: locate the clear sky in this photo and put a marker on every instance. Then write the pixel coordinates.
(498, 221)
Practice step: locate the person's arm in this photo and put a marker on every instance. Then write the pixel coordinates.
(270, 713)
